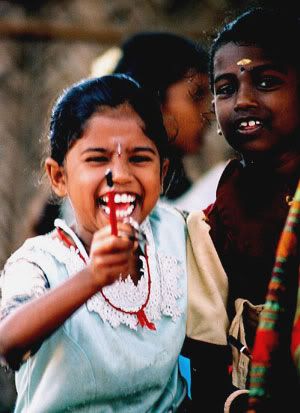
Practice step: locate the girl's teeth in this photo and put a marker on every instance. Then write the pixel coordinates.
(130, 209)
(121, 213)
(118, 198)
(252, 123)
(124, 213)
(124, 198)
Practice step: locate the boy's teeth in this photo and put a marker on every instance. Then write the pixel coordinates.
(244, 124)
(106, 210)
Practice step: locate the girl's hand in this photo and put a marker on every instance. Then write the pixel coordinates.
(110, 255)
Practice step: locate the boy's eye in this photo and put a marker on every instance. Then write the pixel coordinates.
(268, 82)
(226, 89)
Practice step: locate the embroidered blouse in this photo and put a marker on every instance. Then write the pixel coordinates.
(110, 362)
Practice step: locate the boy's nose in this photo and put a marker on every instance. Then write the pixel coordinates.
(245, 98)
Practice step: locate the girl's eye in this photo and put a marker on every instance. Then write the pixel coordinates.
(197, 93)
(139, 158)
(97, 159)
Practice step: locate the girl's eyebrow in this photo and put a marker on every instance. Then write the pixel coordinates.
(144, 149)
(97, 149)
(136, 149)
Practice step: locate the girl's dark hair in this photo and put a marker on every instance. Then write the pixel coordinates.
(159, 59)
(78, 103)
(276, 31)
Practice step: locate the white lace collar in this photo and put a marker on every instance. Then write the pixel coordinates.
(165, 271)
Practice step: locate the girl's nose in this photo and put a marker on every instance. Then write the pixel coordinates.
(245, 97)
(121, 171)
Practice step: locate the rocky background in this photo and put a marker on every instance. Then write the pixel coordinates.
(44, 47)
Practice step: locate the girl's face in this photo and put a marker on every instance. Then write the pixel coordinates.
(111, 140)
(184, 103)
(256, 100)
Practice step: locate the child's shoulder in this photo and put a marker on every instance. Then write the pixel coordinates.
(166, 211)
(31, 248)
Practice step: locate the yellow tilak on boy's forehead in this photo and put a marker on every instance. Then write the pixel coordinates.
(243, 62)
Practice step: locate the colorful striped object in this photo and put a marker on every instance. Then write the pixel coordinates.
(270, 325)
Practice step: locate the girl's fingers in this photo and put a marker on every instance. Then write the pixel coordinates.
(104, 242)
(111, 259)
(124, 230)
(111, 244)
(108, 268)
(111, 255)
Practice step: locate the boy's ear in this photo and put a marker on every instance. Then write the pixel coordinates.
(56, 175)
(213, 106)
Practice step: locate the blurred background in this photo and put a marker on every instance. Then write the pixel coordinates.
(47, 45)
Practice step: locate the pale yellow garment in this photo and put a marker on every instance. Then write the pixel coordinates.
(241, 363)
(208, 292)
(207, 285)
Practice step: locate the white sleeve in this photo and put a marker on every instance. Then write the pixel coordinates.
(20, 282)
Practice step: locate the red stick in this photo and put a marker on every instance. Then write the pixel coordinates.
(111, 203)
(112, 213)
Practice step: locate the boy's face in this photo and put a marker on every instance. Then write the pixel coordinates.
(256, 100)
(117, 142)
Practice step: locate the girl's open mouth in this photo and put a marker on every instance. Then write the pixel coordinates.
(124, 204)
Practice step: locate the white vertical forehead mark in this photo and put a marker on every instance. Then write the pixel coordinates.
(119, 149)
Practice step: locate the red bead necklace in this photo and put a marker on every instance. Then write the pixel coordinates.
(140, 314)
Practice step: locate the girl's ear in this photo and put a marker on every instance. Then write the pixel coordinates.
(164, 169)
(57, 177)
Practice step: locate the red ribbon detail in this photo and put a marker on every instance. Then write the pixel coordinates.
(143, 320)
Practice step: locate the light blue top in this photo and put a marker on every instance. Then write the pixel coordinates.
(102, 360)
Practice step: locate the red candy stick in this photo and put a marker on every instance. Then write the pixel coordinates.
(111, 204)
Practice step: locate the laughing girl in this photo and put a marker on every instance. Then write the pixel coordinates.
(94, 315)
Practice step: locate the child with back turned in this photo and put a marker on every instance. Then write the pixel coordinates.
(93, 317)
(255, 78)
(175, 69)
